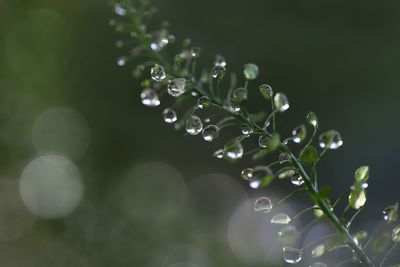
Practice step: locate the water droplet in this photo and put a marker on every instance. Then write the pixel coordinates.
(263, 204)
(149, 97)
(267, 123)
(257, 176)
(247, 173)
(203, 102)
(312, 119)
(360, 238)
(299, 134)
(281, 218)
(207, 120)
(234, 151)
(246, 130)
(250, 71)
(286, 174)
(263, 141)
(292, 255)
(233, 108)
(360, 199)
(119, 10)
(330, 139)
(266, 91)
(390, 213)
(318, 251)
(210, 132)
(121, 61)
(194, 125)
(318, 264)
(158, 73)
(194, 93)
(220, 61)
(296, 179)
(169, 115)
(396, 234)
(218, 72)
(195, 52)
(283, 158)
(239, 95)
(318, 212)
(281, 102)
(176, 87)
(158, 40)
(219, 154)
(288, 235)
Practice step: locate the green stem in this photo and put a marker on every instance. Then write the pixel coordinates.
(387, 255)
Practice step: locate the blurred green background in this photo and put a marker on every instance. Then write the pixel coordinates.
(129, 190)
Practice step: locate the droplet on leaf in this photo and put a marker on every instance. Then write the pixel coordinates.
(292, 255)
(281, 102)
(203, 102)
(158, 73)
(250, 71)
(149, 98)
(194, 125)
(330, 139)
(263, 205)
(210, 132)
(176, 87)
(169, 115)
(281, 218)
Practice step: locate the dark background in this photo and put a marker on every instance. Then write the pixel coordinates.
(337, 58)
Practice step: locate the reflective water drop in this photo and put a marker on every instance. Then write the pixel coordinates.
(318, 264)
(219, 154)
(234, 151)
(247, 173)
(207, 120)
(232, 108)
(119, 10)
(158, 40)
(318, 251)
(266, 91)
(210, 132)
(390, 213)
(288, 235)
(218, 71)
(283, 158)
(396, 234)
(246, 130)
(263, 204)
(286, 174)
(169, 115)
(299, 134)
(292, 255)
(250, 71)
(281, 218)
(296, 179)
(312, 119)
(239, 95)
(121, 61)
(330, 139)
(220, 61)
(360, 238)
(195, 52)
(194, 125)
(281, 102)
(267, 123)
(194, 93)
(263, 141)
(203, 102)
(149, 98)
(318, 212)
(176, 87)
(158, 73)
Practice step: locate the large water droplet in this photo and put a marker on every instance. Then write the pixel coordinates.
(233, 108)
(312, 119)
(176, 87)
(121, 61)
(390, 213)
(203, 102)
(292, 255)
(234, 151)
(281, 102)
(169, 115)
(218, 71)
(119, 10)
(246, 130)
(330, 139)
(149, 98)
(263, 204)
(281, 218)
(259, 172)
(247, 173)
(288, 235)
(250, 71)
(194, 125)
(299, 134)
(158, 40)
(210, 132)
(266, 91)
(158, 73)
(297, 179)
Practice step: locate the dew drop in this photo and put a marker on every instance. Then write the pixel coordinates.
(246, 130)
(194, 125)
(299, 134)
(396, 234)
(119, 10)
(283, 158)
(158, 40)
(312, 119)
(267, 123)
(318, 251)
(121, 61)
(281, 102)
(219, 154)
(234, 151)
(158, 73)
(390, 213)
(195, 52)
(266, 91)
(169, 115)
(257, 176)
(296, 179)
(220, 61)
(281, 218)
(288, 235)
(210, 132)
(247, 173)
(233, 108)
(286, 174)
(250, 71)
(330, 139)
(176, 87)
(203, 102)
(218, 71)
(292, 255)
(239, 95)
(263, 141)
(149, 98)
(263, 205)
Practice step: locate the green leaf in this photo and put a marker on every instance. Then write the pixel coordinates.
(357, 197)
(308, 155)
(362, 174)
(267, 179)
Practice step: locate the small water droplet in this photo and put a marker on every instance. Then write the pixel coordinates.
(286, 174)
(317, 211)
(119, 10)
(149, 98)
(330, 139)
(281, 218)
(247, 173)
(292, 255)
(220, 61)
(299, 134)
(203, 102)
(390, 213)
(234, 151)
(258, 174)
(195, 52)
(194, 125)
(283, 158)
(318, 251)
(158, 40)
(169, 115)
(207, 120)
(312, 119)
(296, 179)
(158, 73)
(267, 123)
(176, 87)
(239, 95)
(396, 234)
(250, 71)
(263, 205)
(233, 108)
(121, 61)
(288, 235)
(219, 154)
(246, 130)
(218, 72)
(281, 102)
(266, 91)
(263, 141)
(210, 132)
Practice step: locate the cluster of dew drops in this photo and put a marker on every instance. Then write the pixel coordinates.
(234, 150)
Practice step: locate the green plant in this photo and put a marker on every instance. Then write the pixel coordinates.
(181, 79)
